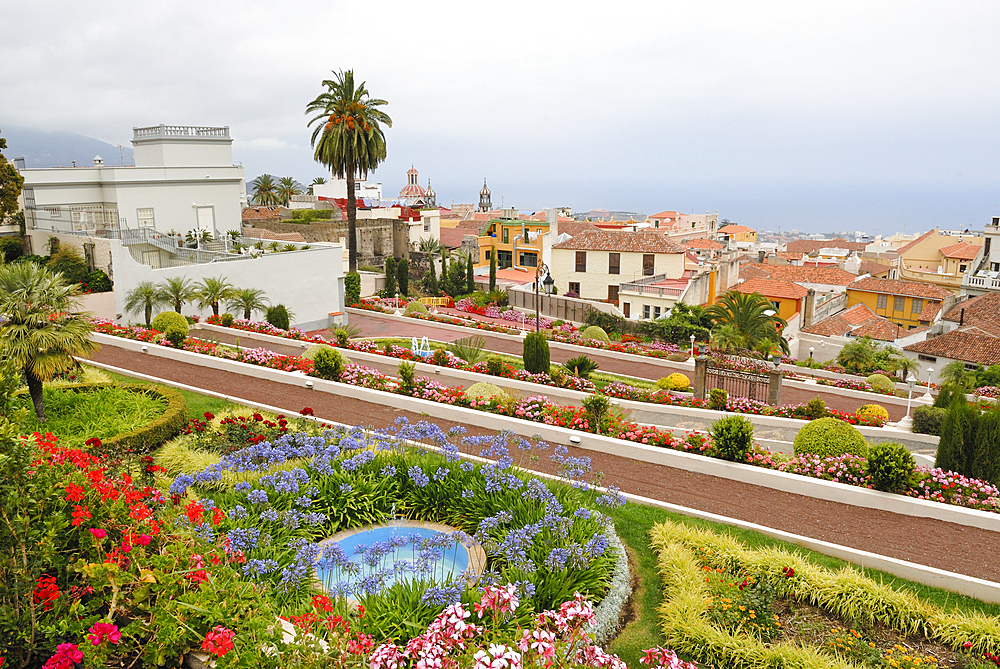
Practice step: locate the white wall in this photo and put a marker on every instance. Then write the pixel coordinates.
(309, 283)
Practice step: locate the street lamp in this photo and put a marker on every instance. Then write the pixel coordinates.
(928, 396)
(692, 346)
(540, 269)
(811, 350)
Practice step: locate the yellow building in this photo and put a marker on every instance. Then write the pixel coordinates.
(940, 259)
(738, 233)
(910, 304)
(517, 243)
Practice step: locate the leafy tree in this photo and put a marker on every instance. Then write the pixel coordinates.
(287, 187)
(144, 298)
(212, 290)
(177, 291)
(752, 328)
(352, 289)
(905, 365)
(317, 181)
(403, 276)
(265, 190)
(863, 356)
(67, 261)
(348, 139)
(985, 464)
(40, 335)
(430, 282)
(247, 299)
(956, 373)
(10, 186)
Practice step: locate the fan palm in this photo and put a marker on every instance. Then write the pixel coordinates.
(177, 291)
(212, 290)
(429, 245)
(317, 181)
(752, 318)
(144, 298)
(348, 140)
(287, 187)
(265, 190)
(905, 365)
(247, 299)
(40, 336)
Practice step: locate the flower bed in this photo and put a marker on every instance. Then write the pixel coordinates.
(263, 327)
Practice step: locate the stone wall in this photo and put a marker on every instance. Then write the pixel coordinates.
(378, 238)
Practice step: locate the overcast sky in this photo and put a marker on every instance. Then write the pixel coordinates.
(859, 115)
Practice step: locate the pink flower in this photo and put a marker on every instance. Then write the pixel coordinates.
(67, 654)
(98, 532)
(99, 632)
(143, 540)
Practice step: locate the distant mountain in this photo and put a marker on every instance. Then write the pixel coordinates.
(60, 149)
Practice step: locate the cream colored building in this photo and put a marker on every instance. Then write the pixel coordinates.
(941, 258)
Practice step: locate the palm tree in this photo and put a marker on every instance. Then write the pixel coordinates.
(39, 334)
(317, 181)
(177, 291)
(905, 365)
(249, 300)
(211, 290)
(348, 140)
(429, 245)
(265, 190)
(753, 318)
(956, 373)
(287, 187)
(145, 297)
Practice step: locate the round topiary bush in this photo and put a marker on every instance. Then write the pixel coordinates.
(732, 438)
(483, 391)
(872, 411)
(882, 384)
(414, 307)
(595, 332)
(310, 353)
(678, 381)
(890, 466)
(830, 437)
(168, 319)
(328, 363)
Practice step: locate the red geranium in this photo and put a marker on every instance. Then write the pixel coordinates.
(218, 641)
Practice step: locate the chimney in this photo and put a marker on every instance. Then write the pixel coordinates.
(961, 317)
(98, 161)
(761, 256)
(808, 308)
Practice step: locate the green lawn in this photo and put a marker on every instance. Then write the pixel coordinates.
(197, 404)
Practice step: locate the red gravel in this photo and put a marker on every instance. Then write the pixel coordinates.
(925, 541)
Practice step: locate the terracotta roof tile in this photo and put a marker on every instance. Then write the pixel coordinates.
(899, 287)
(261, 213)
(753, 271)
(260, 233)
(858, 314)
(789, 255)
(703, 244)
(874, 268)
(978, 309)
(734, 229)
(972, 347)
(452, 237)
(573, 228)
(773, 288)
(831, 275)
(627, 242)
(961, 251)
(879, 328)
(929, 312)
(838, 325)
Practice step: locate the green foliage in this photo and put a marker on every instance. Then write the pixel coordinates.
(678, 327)
(278, 316)
(732, 438)
(167, 319)
(598, 406)
(882, 384)
(175, 335)
(830, 437)
(176, 291)
(403, 276)
(328, 364)
(310, 215)
(210, 291)
(11, 248)
(470, 279)
(483, 390)
(247, 300)
(955, 373)
(494, 365)
(595, 332)
(928, 420)
(345, 333)
(493, 271)
(227, 320)
(414, 307)
(310, 353)
(453, 282)
(536, 353)
(947, 395)
(677, 381)
(67, 261)
(748, 325)
(890, 465)
(863, 355)
(580, 366)
(430, 282)
(872, 411)
(352, 289)
(10, 187)
(718, 398)
(10, 381)
(816, 408)
(390, 276)
(985, 463)
(469, 349)
(440, 357)
(407, 374)
(97, 282)
(958, 434)
(145, 297)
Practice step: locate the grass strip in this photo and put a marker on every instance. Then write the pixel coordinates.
(197, 403)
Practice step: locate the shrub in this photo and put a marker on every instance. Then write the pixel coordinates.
(440, 357)
(881, 383)
(227, 320)
(873, 411)
(717, 399)
(662, 383)
(352, 289)
(165, 320)
(947, 394)
(403, 276)
(494, 366)
(469, 349)
(329, 364)
(830, 437)
(678, 381)
(580, 366)
(390, 277)
(596, 332)
(958, 434)
(11, 248)
(277, 316)
(414, 307)
(986, 454)
(310, 353)
(98, 282)
(816, 409)
(536, 353)
(483, 391)
(597, 406)
(407, 375)
(68, 261)
(928, 420)
(890, 466)
(732, 438)
(175, 335)
(157, 431)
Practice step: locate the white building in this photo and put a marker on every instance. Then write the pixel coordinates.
(336, 188)
(183, 180)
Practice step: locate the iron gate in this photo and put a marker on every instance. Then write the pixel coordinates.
(737, 383)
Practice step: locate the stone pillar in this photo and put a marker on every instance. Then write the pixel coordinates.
(774, 387)
(700, 369)
(809, 309)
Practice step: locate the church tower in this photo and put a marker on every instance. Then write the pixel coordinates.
(430, 197)
(484, 198)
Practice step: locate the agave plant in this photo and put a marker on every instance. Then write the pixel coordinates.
(581, 366)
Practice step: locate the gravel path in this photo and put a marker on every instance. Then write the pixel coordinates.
(926, 541)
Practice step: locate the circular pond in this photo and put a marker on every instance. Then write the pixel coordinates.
(375, 557)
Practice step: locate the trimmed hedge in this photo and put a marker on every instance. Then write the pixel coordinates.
(882, 384)
(167, 319)
(414, 307)
(872, 411)
(483, 390)
(678, 381)
(158, 431)
(928, 420)
(830, 437)
(595, 332)
(890, 466)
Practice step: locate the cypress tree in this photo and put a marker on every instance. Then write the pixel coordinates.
(955, 449)
(403, 276)
(430, 281)
(470, 278)
(536, 353)
(390, 276)
(493, 270)
(985, 463)
(444, 271)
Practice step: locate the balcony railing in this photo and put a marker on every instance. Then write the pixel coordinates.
(180, 131)
(644, 287)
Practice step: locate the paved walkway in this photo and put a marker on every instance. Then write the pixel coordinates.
(924, 541)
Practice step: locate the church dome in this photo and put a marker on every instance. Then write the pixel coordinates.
(412, 191)
(485, 191)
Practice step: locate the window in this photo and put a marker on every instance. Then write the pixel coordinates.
(961, 268)
(972, 367)
(648, 260)
(489, 254)
(506, 236)
(776, 305)
(645, 311)
(581, 261)
(574, 288)
(656, 313)
(898, 302)
(614, 263)
(626, 309)
(613, 294)
(53, 212)
(926, 358)
(916, 306)
(427, 224)
(529, 259)
(145, 217)
(883, 302)
(995, 266)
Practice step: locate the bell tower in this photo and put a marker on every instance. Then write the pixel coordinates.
(484, 198)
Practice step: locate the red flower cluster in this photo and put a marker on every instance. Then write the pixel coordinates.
(218, 641)
(46, 591)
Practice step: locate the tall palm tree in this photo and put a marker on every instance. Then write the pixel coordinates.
(287, 187)
(317, 181)
(348, 140)
(753, 318)
(212, 290)
(39, 334)
(177, 291)
(249, 300)
(265, 190)
(144, 298)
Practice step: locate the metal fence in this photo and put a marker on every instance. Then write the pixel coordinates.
(709, 375)
(552, 306)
